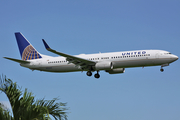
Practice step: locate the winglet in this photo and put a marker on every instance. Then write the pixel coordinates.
(46, 45)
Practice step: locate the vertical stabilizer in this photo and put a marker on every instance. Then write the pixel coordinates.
(27, 51)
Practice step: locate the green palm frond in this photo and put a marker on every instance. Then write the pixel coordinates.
(25, 107)
(53, 108)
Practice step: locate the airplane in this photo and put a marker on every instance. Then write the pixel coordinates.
(112, 62)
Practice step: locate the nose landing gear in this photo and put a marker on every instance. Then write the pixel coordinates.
(162, 70)
(164, 65)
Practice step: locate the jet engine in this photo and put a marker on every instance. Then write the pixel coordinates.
(116, 71)
(104, 65)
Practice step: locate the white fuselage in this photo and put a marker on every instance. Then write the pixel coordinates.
(126, 59)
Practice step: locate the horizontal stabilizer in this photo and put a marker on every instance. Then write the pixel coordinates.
(17, 60)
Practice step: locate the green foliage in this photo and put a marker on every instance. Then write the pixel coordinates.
(25, 107)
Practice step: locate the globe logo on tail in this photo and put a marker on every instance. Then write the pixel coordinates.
(30, 53)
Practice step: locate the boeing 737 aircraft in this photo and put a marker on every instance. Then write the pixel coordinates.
(113, 63)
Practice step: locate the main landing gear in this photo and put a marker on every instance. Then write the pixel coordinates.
(97, 75)
(89, 73)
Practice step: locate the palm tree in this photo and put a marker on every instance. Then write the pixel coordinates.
(25, 107)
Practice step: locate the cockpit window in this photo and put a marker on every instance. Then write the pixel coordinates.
(167, 53)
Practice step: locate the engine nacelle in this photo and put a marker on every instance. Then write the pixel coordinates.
(116, 71)
(104, 65)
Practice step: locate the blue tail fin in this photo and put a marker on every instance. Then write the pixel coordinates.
(27, 51)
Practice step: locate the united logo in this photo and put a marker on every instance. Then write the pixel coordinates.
(30, 53)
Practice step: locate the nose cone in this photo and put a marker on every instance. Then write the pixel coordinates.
(174, 57)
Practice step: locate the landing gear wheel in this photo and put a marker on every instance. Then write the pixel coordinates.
(161, 69)
(89, 73)
(97, 75)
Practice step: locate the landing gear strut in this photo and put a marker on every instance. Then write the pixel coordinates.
(161, 69)
(164, 65)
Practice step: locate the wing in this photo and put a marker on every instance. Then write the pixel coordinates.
(84, 63)
(17, 60)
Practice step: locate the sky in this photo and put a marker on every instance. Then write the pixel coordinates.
(84, 27)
